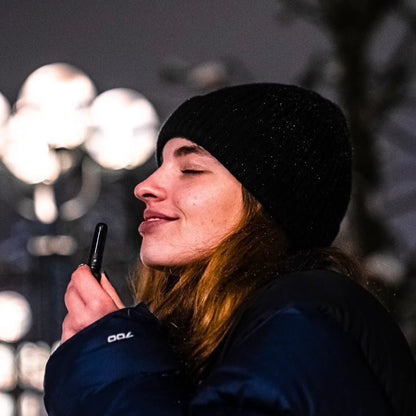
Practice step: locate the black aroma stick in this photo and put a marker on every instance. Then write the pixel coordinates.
(97, 250)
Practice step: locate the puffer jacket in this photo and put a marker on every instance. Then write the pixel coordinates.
(309, 343)
(120, 365)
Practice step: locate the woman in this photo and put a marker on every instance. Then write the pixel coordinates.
(244, 308)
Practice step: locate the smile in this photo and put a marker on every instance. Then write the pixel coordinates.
(152, 220)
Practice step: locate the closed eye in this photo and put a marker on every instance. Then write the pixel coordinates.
(192, 171)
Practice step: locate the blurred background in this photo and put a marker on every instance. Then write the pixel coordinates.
(84, 87)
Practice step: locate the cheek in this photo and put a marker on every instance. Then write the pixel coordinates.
(229, 213)
(193, 200)
(217, 212)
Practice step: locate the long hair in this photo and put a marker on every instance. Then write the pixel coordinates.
(199, 302)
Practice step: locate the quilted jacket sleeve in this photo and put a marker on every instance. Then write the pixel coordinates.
(120, 365)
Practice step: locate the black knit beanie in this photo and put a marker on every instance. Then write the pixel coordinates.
(288, 146)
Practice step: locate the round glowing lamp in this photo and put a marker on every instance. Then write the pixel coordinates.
(28, 157)
(7, 404)
(8, 373)
(56, 98)
(30, 404)
(31, 359)
(124, 125)
(15, 316)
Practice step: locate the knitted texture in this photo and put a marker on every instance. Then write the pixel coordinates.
(288, 146)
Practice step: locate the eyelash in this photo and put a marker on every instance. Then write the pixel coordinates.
(192, 171)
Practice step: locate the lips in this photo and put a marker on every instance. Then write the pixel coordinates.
(150, 215)
(153, 219)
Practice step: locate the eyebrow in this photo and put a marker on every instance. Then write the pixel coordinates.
(191, 149)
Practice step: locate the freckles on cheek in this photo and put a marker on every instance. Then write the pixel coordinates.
(193, 200)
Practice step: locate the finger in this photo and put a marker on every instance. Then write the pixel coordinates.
(109, 288)
(73, 300)
(86, 284)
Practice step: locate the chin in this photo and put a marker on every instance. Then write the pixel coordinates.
(161, 256)
(160, 262)
(156, 261)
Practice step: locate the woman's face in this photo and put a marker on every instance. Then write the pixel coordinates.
(192, 203)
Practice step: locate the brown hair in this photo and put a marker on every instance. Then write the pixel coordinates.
(198, 303)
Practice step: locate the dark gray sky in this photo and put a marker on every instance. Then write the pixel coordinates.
(126, 43)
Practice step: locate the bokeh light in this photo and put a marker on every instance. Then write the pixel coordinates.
(386, 267)
(29, 158)
(31, 361)
(52, 111)
(57, 108)
(15, 316)
(47, 245)
(55, 99)
(31, 404)
(125, 128)
(44, 201)
(7, 405)
(8, 374)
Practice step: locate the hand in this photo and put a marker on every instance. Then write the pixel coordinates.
(87, 301)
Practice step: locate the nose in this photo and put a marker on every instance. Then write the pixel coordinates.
(151, 188)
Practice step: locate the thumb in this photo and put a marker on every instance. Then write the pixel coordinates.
(109, 288)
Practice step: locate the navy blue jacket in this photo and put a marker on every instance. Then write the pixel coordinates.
(309, 344)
